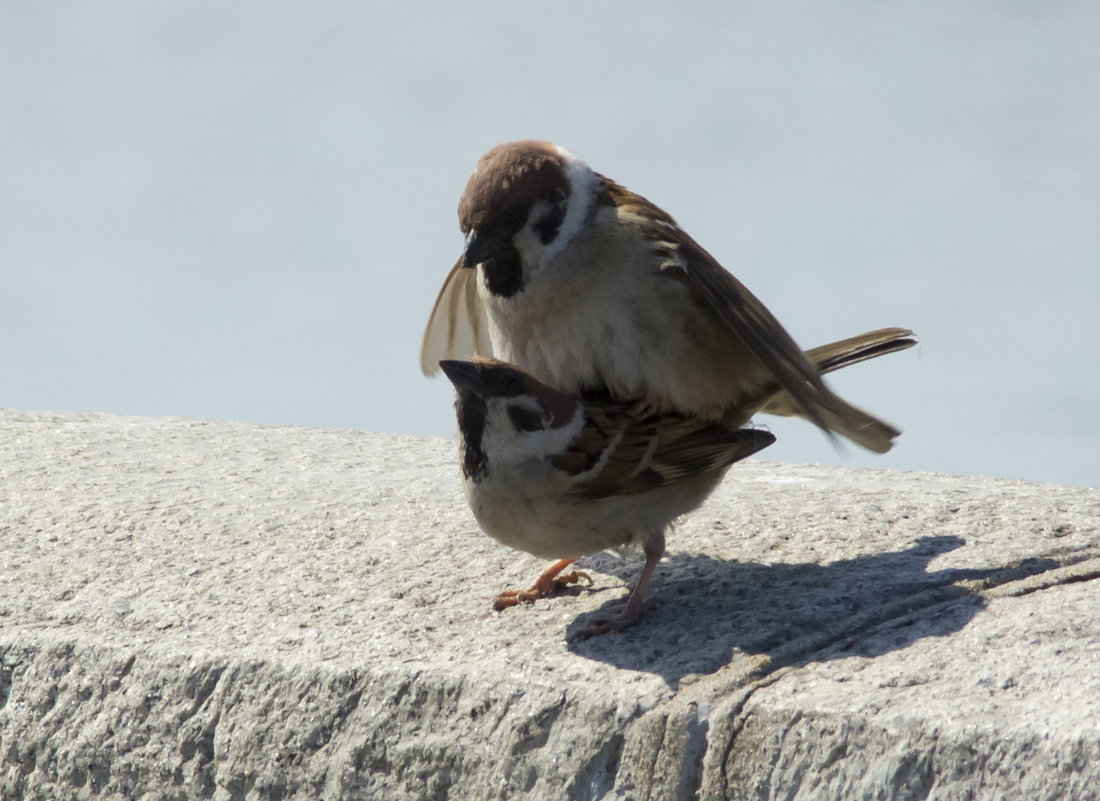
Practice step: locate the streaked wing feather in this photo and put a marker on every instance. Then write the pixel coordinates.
(741, 312)
(709, 448)
(753, 324)
(747, 319)
(657, 451)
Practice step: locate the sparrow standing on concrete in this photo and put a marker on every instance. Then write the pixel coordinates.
(588, 286)
(561, 476)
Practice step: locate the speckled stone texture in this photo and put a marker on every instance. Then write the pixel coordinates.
(194, 609)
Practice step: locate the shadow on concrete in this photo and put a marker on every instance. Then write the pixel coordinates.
(705, 611)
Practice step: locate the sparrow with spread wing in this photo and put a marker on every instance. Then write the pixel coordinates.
(588, 287)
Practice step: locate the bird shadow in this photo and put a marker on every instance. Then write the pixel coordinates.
(705, 611)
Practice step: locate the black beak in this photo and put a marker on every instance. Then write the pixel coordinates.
(480, 247)
(464, 375)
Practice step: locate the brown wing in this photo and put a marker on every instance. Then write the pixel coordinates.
(704, 450)
(458, 327)
(746, 318)
(618, 455)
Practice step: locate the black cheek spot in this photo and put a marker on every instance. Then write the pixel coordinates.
(524, 419)
(550, 223)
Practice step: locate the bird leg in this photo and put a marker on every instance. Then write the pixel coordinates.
(653, 549)
(550, 580)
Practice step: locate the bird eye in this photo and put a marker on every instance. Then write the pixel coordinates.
(509, 384)
(514, 217)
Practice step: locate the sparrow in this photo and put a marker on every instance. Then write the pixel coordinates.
(588, 286)
(561, 476)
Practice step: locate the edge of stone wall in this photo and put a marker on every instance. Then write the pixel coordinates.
(201, 609)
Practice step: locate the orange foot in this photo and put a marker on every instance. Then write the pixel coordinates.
(550, 581)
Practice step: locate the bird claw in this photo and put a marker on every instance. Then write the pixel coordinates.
(540, 589)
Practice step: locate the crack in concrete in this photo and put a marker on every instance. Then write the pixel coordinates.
(899, 614)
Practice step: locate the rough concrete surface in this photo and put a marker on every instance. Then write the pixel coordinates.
(194, 609)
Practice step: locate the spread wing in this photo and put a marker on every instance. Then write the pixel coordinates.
(458, 327)
(746, 318)
(618, 455)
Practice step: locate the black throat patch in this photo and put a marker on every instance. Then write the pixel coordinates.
(504, 273)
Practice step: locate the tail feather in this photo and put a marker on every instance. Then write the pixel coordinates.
(847, 420)
(854, 350)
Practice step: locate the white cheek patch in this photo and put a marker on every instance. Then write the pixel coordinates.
(584, 187)
(528, 241)
(504, 445)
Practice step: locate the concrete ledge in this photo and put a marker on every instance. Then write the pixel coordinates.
(215, 610)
